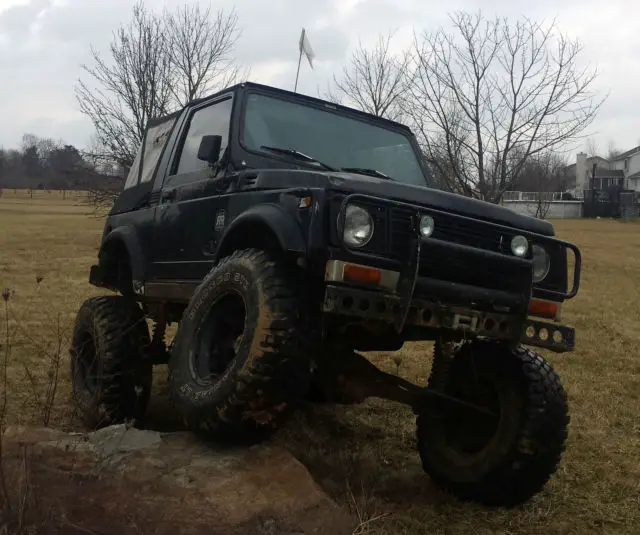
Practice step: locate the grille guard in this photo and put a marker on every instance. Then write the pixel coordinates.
(409, 273)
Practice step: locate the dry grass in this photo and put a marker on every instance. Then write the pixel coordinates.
(365, 455)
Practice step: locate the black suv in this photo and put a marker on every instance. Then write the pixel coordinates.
(284, 233)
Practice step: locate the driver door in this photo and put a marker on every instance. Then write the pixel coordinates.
(184, 231)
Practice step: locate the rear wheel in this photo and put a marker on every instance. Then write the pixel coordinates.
(238, 363)
(111, 370)
(502, 460)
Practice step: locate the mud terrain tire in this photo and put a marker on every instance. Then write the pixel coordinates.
(111, 369)
(510, 460)
(244, 324)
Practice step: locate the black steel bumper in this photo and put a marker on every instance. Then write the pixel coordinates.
(443, 308)
(391, 308)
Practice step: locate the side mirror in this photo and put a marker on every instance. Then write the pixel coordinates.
(209, 150)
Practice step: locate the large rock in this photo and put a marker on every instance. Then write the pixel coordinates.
(124, 480)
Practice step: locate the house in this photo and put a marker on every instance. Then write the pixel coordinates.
(629, 163)
(600, 173)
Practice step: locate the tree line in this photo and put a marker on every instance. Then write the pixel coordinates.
(493, 102)
(45, 163)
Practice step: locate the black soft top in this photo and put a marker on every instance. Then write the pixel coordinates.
(139, 182)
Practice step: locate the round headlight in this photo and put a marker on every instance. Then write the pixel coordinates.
(541, 263)
(427, 226)
(358, 226)
(519, 246)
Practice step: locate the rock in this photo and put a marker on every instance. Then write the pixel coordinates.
(118, 479)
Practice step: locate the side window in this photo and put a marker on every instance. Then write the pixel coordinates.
(212, 120)
(134, 172)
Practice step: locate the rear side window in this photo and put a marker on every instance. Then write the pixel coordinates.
(210, 120)
(134, 172)
(154, 143)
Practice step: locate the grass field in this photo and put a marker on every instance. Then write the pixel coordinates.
(368, 451)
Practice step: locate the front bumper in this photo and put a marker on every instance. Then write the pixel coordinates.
(391, 308)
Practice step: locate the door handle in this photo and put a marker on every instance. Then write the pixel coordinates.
(168, 195)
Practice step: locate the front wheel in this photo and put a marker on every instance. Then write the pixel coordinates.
(238, 362)
(502, 460)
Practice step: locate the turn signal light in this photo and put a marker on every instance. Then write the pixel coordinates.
(546, 309)
(361, 274)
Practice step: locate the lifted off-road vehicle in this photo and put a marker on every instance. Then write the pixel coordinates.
(282, 234)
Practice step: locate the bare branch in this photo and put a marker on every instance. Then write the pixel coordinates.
(200, 47)
(613, 151)
(491, 95)
(543, 175)
(592, 147)
(107, 176)
(374, 80)
(131, 88)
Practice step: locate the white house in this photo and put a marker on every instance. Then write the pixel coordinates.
(623, 170)
(629, 163)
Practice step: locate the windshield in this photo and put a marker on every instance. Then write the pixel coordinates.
(336, 140)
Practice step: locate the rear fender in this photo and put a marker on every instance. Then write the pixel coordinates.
(125, 236)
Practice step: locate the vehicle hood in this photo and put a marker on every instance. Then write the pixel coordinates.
(390, 189)
(440, 200)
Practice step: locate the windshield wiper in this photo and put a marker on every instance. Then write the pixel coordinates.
(297, 154)
(364, 171)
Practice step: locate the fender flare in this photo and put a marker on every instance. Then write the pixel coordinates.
(282, 224)
(127, 236)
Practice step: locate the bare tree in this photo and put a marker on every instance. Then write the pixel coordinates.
(592, 147)
(105, 176)
(200, 48)
(445, 150)
(613, 151)
(374, 80)
(158, 63)
(492, 95)
(543, 175)
(131, 88)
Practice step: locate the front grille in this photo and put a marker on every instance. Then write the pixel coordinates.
(451, 229)
(437, 261)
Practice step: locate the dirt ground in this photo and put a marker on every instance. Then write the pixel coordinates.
(365, 456)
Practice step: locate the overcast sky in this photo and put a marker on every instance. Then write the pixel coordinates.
(44, 42)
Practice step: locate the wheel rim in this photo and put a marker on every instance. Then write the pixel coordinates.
(469, 433)
(218, 338)
(87, 362)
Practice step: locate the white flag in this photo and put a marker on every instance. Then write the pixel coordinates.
(305, 47)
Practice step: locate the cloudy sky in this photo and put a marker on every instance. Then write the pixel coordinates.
(44, 42)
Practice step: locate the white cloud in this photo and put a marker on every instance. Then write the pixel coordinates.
(44, 42)
(6, 4)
